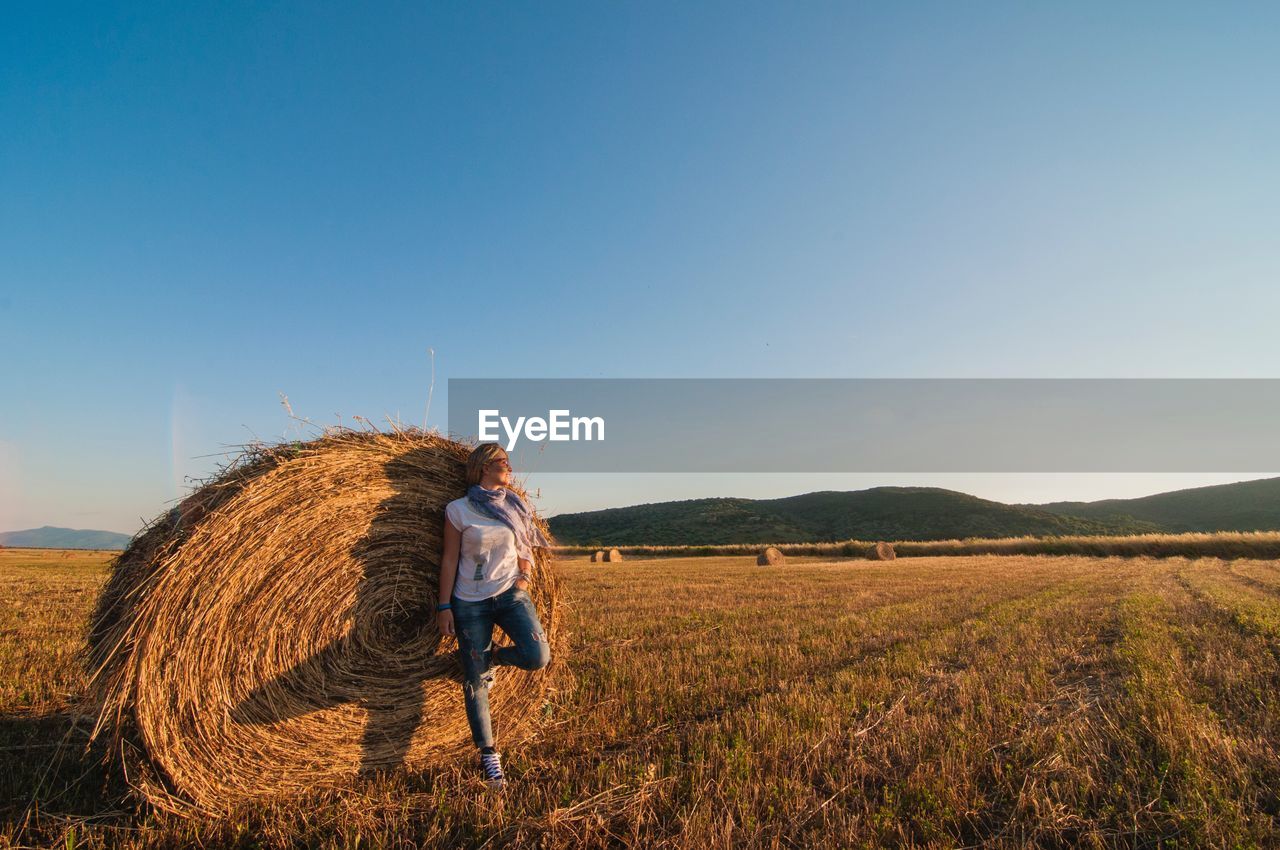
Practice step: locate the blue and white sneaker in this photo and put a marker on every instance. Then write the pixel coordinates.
(491, 763)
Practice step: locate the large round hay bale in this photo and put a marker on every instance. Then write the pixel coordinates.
(597, 556)
(613, 556)
(771, 556)
(881, 552)
(276, 632)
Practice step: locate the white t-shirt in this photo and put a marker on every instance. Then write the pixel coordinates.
(487, 563)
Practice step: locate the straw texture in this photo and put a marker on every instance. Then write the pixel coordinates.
(882, 551)
(276, 632)
(770, 557)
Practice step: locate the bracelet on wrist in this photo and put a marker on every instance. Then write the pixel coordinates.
(443, 606)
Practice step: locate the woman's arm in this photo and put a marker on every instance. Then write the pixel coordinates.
(448, 574)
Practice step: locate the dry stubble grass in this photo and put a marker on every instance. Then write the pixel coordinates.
(709, 702)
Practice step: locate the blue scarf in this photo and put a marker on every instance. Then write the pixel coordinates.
(508, 508)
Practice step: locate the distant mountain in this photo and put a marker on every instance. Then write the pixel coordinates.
(1243, 506)
(880, 513)
(49, 537)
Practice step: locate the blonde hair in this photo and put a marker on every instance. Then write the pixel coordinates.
(480, 456)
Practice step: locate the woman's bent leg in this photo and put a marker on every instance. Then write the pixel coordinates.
(473, 622)
(518, 617)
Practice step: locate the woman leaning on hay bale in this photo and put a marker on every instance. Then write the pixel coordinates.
(485, 571)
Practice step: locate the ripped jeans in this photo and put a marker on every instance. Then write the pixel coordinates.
(514, 612)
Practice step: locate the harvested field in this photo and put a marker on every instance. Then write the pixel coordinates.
(1006, 701)
(1256, 545)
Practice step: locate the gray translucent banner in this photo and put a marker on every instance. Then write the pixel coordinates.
(875, 425)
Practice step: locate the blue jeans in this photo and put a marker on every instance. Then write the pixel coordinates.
(473, 622)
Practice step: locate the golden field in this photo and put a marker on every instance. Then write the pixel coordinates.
(706, 702)
(1257, 545)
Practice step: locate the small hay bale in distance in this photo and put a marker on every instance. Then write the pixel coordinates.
(881, 552)
(276, 633)
(771, 556)
(597, 556)
(613, 556)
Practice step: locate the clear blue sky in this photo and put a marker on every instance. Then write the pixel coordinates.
(203, 206)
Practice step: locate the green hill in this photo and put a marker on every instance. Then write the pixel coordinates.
(1243, 506)
(880, 513)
